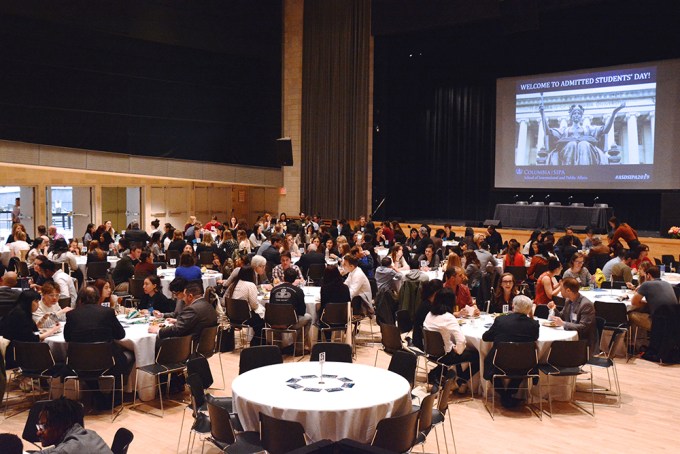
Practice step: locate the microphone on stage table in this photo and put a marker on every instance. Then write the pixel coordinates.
(570, 198)
(531, 197)
(596, 199)
(515, 197)
(547, 197)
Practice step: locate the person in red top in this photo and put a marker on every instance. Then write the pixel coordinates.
(539, 258)
(547, 285)
(213, 224)
(513, 257)
(623, 231)
(454, 279)
(643, 256)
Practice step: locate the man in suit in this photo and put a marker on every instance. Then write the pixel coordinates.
(270, 249)
(90, 322)
(515, 327)
(137, 236)
(8, 294)
(198, 314)
(311, 257)
(578, 314)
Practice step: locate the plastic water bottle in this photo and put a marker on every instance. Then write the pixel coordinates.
(551, 313)
(150, 310)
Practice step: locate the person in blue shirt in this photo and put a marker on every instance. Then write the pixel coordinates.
(187, 268)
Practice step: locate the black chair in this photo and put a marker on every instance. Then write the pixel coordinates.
(207, 346)
(567, 359)
(280, 319)
(161, 265)
(136, 289)
(434, 352)
(92, 361)
(397, 434)
(390, 340)
(613, 285)
(121, 441)
(205, 258)
(22, 269)
(222, 432)
(64, 302)
(425, 413)
(315, 274)
(606, 361)
(515, 361)
(238, 313)
(34, 361)
(198, 407)
(668, 260)
(596, 261)
(404, 321)
(559, 301)
(335, 351)
(519, 273)
(439, 414)
(541, 311)
(259, 356)
(171, 357)
(97, 270)
(334, 318)
(615, 316)
(404, 363)
(172, 257)
(540, 269)
(280, 436)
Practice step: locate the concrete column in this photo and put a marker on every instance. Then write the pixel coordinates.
(521, 153)
(633, 148)
(651, 124)
(540, 141)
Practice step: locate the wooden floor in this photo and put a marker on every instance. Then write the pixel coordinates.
(646, 421)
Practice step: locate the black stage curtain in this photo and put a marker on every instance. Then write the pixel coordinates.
(335, 99)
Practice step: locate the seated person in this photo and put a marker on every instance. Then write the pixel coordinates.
(125, 269)
(145, 267)
(9, 294)
(428, 293)
(177, 287)
(578, 314)
(454, 279)
(286, 264)
(18, 324)
(504, 294)
(656, 293)
(428, 260)
(153, 296)
(516, 327)
(387, 277)
(49, 313)
(198, 314)
(359, 286)
(244, 288)
(60, 425)
(441, 320)
(187, 268)
(622, 271)
(288, 293)
(546, 284)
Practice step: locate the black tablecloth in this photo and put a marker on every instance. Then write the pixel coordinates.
(551, 216)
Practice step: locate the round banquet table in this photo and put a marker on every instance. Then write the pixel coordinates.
(350, 413)
(209, 278)
(137, 339)
(473, 329)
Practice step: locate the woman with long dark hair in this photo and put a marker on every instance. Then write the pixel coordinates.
(244, 288)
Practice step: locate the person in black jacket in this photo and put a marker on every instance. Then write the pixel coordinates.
(18, 324)
(515, 327)
(154, 297)
(311, 257)
(90, 322)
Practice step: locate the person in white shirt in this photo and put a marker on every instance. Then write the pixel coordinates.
(49, 312)
(63, 280)
(19, 244)
(244, 288)
(441, 320)
(359, 286)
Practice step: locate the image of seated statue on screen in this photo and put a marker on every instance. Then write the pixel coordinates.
(576, 143)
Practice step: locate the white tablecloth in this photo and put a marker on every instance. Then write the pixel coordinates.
(209, 279)
(474, 329)
(609, 296)
(137, 339)
(350, 413)
(81, 260)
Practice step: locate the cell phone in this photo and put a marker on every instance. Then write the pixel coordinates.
(314, 390)
(308, 376)
(348, 385)
(292, 380)
(333, 390)
(345, 379)
(295, 386)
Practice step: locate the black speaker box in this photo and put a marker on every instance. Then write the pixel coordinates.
(284, 151)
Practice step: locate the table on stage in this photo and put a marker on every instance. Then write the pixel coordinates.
(137, 339)
(473, 329)
(555, 217)
(348, 412)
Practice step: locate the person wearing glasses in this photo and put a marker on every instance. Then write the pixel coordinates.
(504, 294)
(60, 425)
(578, 271)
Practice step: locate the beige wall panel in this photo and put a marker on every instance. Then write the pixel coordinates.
(214, 172)
(273, 178)
(176, 203)
(63, 157)
(250, 176)
(182, 170)
(220, 202)
(202, 210)
(256, 206)
(148, 166)
(19, 153)
(108, 162)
